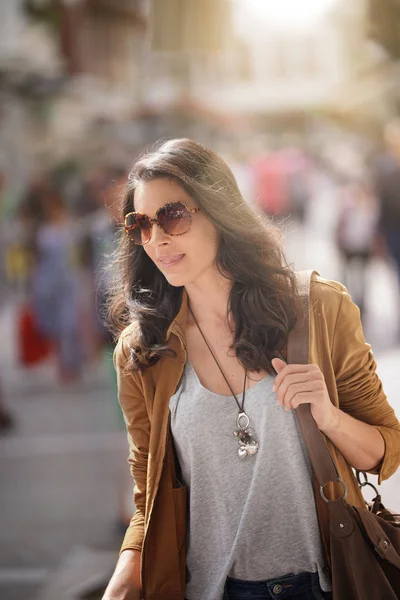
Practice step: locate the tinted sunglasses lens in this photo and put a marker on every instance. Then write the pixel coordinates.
(175, 219)
(139, 228)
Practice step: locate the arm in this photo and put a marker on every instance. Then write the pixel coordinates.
(363, 427)
(365, 430)
(125, 583)
(362, 445)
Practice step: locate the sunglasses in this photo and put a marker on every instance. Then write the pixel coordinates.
(174, 218)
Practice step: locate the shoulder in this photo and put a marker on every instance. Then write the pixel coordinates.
(128, 338)
(327, 290)
(328, 298)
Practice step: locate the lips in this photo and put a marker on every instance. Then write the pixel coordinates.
(169, 261)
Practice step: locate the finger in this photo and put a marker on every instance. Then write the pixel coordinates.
(309, 388)
(278, 364)
(286, 370)
(301, 398)
(289, 380)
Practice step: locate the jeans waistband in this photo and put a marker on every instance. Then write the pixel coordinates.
(277, 589)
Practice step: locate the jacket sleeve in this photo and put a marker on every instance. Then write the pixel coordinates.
(131, 399)
(359, 388)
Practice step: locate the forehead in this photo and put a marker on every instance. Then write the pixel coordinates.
(151, 195)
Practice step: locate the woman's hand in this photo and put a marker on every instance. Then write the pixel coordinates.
(300, 384)
(125, 583)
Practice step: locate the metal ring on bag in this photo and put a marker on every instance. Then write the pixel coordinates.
(372, 486)
(362, 483)
(321, 489)
(365, 482)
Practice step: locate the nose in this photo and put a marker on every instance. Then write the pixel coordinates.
(158, 236)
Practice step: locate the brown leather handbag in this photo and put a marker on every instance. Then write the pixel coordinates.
(364, 544)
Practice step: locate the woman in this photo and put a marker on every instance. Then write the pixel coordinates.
(223, 485)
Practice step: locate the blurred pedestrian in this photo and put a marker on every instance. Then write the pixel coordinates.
(55, 290)
(387, 179)
(203, 306)
(104, 228)
(356, 238)
(270, 183)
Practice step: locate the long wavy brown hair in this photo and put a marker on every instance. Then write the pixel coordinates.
(264, 299)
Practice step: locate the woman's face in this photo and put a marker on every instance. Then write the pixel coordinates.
(182, 259)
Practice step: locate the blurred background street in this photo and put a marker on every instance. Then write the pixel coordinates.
(303, 101)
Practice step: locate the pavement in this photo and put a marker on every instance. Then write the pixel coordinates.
(60, 479)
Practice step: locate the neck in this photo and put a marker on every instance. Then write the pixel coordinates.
(209, 297)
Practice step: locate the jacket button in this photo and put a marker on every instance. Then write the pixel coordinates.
(277, 589)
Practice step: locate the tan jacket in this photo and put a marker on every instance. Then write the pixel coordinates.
(158, 526)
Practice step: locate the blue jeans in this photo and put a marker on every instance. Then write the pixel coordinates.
(304, 586)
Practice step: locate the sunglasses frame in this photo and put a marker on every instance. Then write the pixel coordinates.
(155, 221)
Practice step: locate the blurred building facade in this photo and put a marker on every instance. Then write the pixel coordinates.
(91, 79)
(369, 95)
(31, 72)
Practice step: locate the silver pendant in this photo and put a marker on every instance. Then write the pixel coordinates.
(248, 446)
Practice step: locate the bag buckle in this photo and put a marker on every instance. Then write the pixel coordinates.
(321, 490)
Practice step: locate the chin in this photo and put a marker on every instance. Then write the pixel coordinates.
(176, 280)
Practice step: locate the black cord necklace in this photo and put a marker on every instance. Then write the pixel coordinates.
(248, 446)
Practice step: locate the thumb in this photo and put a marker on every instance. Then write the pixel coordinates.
(278, 364)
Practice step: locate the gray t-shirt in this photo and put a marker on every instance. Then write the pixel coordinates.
(251, 518)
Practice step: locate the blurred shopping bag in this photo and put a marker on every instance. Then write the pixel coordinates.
(33, 346)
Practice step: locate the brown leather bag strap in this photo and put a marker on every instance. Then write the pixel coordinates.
(298, 351)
